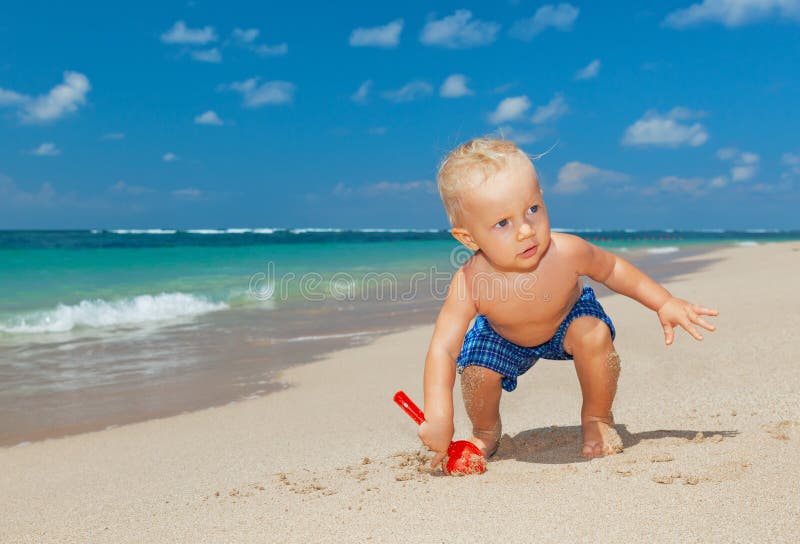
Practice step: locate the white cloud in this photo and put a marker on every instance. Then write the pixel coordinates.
(61, 100)
(743, 173)
(190, 193)
(123, 188)
(47, 149)
(246, 39)
(790, 159)
(276, 50)
(208, 118)
(589, 71)
(666, 130)
(207, 55)
(181, 34)
(114, 136)
(674, 184)
(507, 132)
(455, 86)
(385, 188)
(719, 181)
(361, 95)
(560, 17)
(13, 194)
(749, 158)
(408, 92)
(459, 31)
(745, 163)
(504, 88)
(169, 157)
(510, 109)
(10, 98)
(733, 13)
(387, 36)
(792, 163)
(247, 35)
(270, 92)
(557, 107)
(573, 177)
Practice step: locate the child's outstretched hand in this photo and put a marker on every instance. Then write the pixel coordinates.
(676, 312)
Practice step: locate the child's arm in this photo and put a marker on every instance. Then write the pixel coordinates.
(624, 278)
(436, 431)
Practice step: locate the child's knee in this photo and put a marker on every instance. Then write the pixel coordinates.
(476, 377)
(478, 384)
(587, 335)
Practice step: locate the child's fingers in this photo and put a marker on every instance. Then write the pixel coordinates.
(669, 334)
(697, 320)
(705, 324)
(692, 330)
(703, 310)
(437, 459)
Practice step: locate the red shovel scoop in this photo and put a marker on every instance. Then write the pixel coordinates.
(463, 457)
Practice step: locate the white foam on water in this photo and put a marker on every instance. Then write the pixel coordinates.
(143, 231)
(747, 243)
(101, 313)
(661, 250)
(205, 231)
(303, 231)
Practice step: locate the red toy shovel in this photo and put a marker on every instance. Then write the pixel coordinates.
(463, 457)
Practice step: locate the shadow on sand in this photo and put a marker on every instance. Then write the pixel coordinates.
(562, 445)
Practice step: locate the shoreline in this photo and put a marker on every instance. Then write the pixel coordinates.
(247, 372)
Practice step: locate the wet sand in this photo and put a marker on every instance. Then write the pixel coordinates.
(710, 432)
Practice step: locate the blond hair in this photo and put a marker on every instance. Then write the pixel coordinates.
(469, 165)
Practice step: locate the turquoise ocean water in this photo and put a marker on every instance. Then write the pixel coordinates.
(58, 281)
(101, 327)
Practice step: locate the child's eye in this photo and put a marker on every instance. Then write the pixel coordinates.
(533, 209)
(502, 223)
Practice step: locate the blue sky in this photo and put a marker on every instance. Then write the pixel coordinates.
(172, 114)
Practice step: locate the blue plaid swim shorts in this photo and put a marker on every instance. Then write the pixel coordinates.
(484, 347)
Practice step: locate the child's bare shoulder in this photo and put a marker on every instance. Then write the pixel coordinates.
(568, 247)
(476, 265)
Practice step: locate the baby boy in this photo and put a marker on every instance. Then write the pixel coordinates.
(524, 285)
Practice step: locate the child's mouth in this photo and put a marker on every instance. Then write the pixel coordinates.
(530, 252)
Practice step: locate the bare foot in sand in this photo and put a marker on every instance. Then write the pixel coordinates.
(487, 441)
(599, 437)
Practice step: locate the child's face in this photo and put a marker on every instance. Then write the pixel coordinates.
(506, 218)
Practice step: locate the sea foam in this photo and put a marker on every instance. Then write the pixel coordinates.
(101, 313)
(660, 250)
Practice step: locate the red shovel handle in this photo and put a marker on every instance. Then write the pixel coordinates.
(409, 407)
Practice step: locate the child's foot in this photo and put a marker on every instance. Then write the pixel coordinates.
(487, 447)
(599, 437)
(487, 441)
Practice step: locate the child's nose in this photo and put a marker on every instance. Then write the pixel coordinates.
(525, 230)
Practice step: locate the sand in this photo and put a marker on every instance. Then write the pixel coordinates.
(711, 433)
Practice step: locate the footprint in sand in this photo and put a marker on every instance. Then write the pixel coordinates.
(781, 430)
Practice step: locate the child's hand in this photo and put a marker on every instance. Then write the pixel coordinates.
(681, 312)
(437, 436)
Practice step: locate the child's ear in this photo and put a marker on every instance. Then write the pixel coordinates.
(463, 236)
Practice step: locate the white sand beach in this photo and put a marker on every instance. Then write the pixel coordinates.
(711, 432)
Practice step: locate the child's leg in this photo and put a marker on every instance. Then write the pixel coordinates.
(481, 389)
(596, 361)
